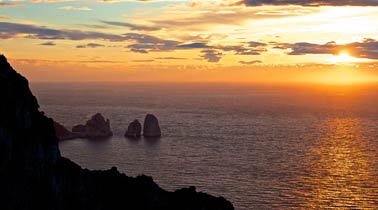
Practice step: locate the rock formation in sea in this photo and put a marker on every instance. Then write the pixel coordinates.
(34, 175)
(96, 127)
(134, 130)
(151, 126)
(63, 133)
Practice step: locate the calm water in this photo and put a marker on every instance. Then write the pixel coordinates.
(260, 147)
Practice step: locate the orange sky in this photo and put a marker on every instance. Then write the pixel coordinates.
(215, 40)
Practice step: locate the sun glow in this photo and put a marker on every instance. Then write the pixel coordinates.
(343, 57)
(345, 75)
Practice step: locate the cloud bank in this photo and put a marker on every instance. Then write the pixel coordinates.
(309, 3)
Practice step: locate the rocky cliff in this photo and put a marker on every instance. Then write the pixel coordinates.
(33, 174)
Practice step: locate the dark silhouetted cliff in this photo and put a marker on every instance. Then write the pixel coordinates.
(33, 174)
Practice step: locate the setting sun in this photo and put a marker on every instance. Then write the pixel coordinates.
(344, 57)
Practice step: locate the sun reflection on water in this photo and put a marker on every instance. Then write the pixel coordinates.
(341, 174)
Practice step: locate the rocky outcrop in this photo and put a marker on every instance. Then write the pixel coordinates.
(151, 127)
(134, 130)
(34, 175)
(96, 127)
(63, 133)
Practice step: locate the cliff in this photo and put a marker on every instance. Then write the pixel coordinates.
(34, 175)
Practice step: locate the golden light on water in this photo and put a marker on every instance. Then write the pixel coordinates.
(341, 170)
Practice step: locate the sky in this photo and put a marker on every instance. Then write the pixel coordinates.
(253, 41)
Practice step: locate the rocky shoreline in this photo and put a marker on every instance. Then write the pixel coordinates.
(34, 175)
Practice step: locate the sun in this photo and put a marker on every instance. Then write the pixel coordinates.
(343, 57)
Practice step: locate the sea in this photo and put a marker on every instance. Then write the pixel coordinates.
(261, 146)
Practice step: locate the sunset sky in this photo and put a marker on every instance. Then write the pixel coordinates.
(334, 41)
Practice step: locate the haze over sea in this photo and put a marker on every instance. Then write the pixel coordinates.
(260, 146)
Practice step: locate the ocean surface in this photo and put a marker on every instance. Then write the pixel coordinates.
(261, 147)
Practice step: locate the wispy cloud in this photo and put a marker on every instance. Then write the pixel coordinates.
(194, 45)
(309, 2)
(48, 44)
(90, 45)
(75, 8)
(143, 61)
(212, 56)
(11, 30)
(135, 27)
(5, 5)
(3, 17)
(250, 62)
(170, 58)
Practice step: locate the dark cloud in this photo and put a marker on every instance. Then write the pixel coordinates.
(9, 30)
(309, 2)
(256, 44)
(48, 44)
(138, 43)
(250, 62)
(146, 43)
(132, 26)
(138, 50)
(368, 48)
(194, 45)
(90, 45)
(212, 56)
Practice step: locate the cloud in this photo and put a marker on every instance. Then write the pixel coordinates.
(95, 26)
(143, 61)
(138, 50)
(250, 62)
(256, 44)
(3, 17)
(194, 45)
(203, 20)
(309, 2)
(90, 45)
(10, 30)
(136, 42)
(368, 48)
(75, 8)
(6, 5)
(146, 43)
(243, 50)
(132, 26)
(48, 44)
(212, 56)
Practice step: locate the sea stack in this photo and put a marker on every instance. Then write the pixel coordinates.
(151, 127)
(134, 130)
(96, 127)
